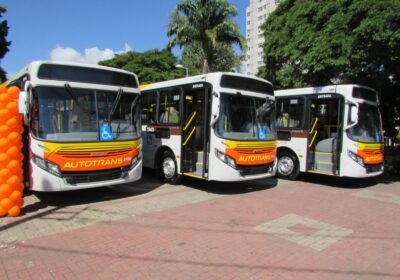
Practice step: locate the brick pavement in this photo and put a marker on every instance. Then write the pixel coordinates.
(210, 231)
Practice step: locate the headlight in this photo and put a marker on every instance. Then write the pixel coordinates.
(225, 158)
(355, 157)
(47, 165)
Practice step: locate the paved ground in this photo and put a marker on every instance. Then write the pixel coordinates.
(315, 228)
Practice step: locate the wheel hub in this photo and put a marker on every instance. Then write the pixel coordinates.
(168, 167)
(285, 166)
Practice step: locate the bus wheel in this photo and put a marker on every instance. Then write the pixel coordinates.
(288, 166)
(169, 169)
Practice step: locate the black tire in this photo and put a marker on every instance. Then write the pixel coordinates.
(169, 169)
(288, 166)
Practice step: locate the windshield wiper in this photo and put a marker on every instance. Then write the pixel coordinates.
(114, 106)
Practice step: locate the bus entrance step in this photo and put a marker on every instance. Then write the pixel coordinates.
(324, 166)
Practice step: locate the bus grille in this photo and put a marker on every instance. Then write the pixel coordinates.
(255, 169)
(92, 176)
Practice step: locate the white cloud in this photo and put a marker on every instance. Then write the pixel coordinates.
(89, 55)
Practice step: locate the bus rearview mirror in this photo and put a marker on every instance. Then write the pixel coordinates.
(214, 109)
(353, 114)
(23, 105)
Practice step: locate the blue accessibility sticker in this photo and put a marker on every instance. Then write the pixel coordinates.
(262, 133)
(106, 133)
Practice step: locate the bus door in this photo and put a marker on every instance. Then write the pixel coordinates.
(324, 134)
(195, 134)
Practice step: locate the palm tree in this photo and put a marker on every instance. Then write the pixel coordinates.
(205, 23)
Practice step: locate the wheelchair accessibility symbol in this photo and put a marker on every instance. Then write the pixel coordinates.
(105, 133)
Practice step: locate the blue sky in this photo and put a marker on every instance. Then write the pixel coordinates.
(87, 30)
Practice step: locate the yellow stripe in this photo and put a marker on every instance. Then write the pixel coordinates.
(93, 146)
(191, 119)
(374, 146)
(250, 144)
(325, 162)
(312, 141)
(315, 123)
(324, 153)
(144, 86)
(194, 176)
(190, 136)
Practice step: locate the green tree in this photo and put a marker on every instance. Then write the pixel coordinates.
(205, 27)
(225, 58)
(322, 42)
(150, 66)
(4, 44)
(319, 42)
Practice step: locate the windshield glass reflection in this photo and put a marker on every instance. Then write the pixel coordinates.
(246, 118)
(72, 114)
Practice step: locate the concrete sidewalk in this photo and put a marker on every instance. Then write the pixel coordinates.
(343, 229)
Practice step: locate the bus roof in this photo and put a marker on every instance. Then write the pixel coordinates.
(36, 64)
(197, 79)
(317, 90)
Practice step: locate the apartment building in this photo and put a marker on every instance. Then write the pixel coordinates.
(256, 14)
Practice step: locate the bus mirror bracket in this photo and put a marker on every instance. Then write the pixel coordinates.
(215, 109)
(23, 103)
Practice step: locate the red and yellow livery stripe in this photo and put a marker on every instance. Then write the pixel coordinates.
(91, 156)
(251, 152)
(370, 153)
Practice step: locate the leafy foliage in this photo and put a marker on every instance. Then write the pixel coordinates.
(224, 58)
(205, 29)
(150, 66)
(312, 43)
(4, 44)
(322, 42)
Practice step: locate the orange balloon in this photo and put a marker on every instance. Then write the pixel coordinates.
(5, 173)
(19, 129)
(12, 123)
(3, 211)
(4, 114)
(6, 190)
(12, 151)
(6, 203)
(13, 92)
(20, 202)
(5, 97)
(4, 159)
(4, 144)
(12, 107)
(15, 196)
(3, 89)
(14, 211)
(5, 130)
(14, 165)
(14, 137)
(13, 181)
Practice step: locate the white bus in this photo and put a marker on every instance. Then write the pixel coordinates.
(333, 130)
(82, 125)
(217, 126)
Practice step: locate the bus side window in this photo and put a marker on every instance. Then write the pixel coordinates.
(289, 112)
(149, 106)
(169, 106)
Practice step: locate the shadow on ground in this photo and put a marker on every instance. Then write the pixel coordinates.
(87, 196)
(230, 188)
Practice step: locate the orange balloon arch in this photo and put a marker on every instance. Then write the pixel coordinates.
(11, 175)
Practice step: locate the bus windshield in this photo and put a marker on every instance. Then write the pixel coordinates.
(368, 128)
(72, 114)
(246, 118)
